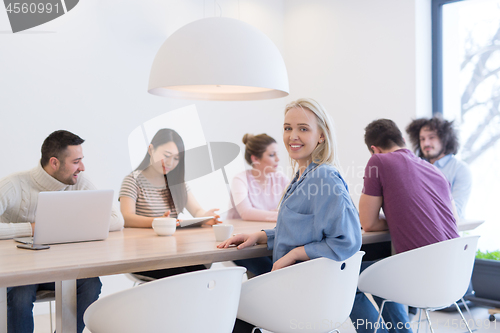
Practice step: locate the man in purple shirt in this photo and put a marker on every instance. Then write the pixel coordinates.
(417, 203)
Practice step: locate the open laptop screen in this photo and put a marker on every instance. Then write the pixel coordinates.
(72, 216)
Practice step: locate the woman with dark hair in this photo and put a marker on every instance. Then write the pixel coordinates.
(157, 189)
(146, 193)
(256, 193)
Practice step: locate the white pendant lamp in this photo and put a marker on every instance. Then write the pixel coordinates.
(219, 59)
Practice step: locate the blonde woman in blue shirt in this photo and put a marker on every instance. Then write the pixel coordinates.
(316, 217)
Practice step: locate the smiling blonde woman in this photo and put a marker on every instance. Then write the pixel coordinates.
(316, 217)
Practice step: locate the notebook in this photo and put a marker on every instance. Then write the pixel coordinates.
(71, 216)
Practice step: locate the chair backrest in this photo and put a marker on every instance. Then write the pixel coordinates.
(313, 296)
(203, 301)
(432, 276)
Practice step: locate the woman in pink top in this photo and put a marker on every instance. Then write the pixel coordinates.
(257, 192)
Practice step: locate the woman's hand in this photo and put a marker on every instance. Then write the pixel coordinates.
(297, 254)
(244, 240)
(211, 212)
(167, 214)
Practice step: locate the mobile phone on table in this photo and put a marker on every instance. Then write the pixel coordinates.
(33, 246)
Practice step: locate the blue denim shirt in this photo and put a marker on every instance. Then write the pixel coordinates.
(460, 178)
(317, 213)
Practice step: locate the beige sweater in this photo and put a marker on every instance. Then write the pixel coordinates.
(19, 198)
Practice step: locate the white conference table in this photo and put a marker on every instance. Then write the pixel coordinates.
(129, 250)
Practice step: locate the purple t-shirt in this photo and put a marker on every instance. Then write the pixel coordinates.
(417, 199)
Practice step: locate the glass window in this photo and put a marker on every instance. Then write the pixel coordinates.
(470, 95)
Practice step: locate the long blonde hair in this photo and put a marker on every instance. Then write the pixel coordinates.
(325, 152)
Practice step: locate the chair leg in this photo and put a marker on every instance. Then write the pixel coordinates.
(468, 310)
(50, 318)
(463, 318)
(419, 319)
(379, 316)
(428, 320)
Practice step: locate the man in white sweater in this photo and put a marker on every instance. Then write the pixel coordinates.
(60, 169)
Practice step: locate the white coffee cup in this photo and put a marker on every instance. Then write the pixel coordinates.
(222, 231)
(165, 226)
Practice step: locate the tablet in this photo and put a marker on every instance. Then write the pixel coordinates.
(194, 222)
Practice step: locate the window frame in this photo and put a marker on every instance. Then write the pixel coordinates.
(437, 53)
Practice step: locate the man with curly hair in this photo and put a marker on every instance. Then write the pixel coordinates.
(436, 141)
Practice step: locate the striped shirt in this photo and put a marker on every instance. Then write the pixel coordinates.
(150, 200)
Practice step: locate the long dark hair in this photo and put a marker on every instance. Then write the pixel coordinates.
(175, 176)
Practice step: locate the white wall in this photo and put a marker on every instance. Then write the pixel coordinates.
(88, 72)
(360, 59)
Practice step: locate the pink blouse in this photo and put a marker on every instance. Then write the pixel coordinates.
(254, 202)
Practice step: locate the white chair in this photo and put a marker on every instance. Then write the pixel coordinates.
(202, 301)
(314, 296)
(429, 278)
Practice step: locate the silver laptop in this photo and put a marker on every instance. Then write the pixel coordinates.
(71, 216)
